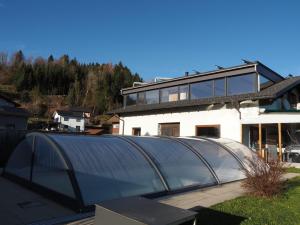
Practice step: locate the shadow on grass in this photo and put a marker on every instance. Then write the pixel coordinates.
(209, 216)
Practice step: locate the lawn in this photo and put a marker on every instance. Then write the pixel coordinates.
(247, 210)
(293, 170)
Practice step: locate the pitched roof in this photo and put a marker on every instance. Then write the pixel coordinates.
(70, 113)
(9, 100)
(271, 92)
(12, 111)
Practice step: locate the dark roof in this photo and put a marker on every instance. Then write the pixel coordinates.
(12, 111)
(253, 67)
(9, 100)
(81, 109)
(70, 113)
(271, 92)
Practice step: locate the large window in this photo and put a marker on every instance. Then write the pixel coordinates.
(201, 90)
(169, 129)
(264, 82)
(169, 94)
(141, 98)
(241, 84)
(208, 131)
(219, 87)
(131, 99)
(183, 92)
(152, 97)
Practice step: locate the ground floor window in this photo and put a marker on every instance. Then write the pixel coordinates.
(77, 128)
(169, 129)
(208, 130)
(136, 131)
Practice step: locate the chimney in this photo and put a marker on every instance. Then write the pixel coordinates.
(186, 74)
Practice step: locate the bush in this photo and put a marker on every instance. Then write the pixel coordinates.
(264, 179)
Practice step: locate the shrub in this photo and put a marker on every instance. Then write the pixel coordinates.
(264, 179)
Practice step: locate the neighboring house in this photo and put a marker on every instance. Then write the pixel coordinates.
(249, 103)
(67, 120)
(11, 116)
(114, 123)
(87, 113)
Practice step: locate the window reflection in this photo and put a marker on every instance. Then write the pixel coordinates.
(169, 94)
(201, 90)
(241, 84)
(219, 87)
(152, 97)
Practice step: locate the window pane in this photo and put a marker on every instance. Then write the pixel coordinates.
(201, 90)
(152, 97)
(264, 82)
(241, 84)
(169, 94)
(219, 87)
(180, 167)
(184, 92)
(49, 169)
(109, 168)
(131, 99)
(19, 162)
(141, 98)
(226, 167)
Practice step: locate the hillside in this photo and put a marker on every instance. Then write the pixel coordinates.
(44, 85)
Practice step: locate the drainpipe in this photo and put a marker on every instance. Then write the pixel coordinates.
(123, 122)
(237, 107)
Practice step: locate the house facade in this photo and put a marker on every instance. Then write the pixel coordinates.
(69, 120)
(249, 103)
(11, 116)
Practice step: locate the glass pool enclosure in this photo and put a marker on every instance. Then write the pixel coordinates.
(83, 170)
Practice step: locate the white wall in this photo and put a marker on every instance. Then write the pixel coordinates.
(71, 123)
(228, 119)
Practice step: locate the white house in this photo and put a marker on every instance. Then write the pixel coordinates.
(11, 116)
(67, 120)
(249, 103)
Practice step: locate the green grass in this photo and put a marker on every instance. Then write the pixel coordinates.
(247, 210)
(292, 170)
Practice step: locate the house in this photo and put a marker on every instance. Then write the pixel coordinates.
(249, 103)
(114, 123)
(68, 120)
(11, 115)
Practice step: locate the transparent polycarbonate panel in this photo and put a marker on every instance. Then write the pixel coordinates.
(226, 167)
(180, 166)
(19, 163)
(241, 151)
(49, 168)
(108, 168)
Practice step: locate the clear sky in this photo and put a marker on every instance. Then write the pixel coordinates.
(157, 37)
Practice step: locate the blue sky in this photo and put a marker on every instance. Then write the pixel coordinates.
(156, 38)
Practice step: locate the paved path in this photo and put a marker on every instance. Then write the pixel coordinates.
(209, 196)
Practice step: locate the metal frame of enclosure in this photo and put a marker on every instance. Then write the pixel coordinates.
(80, 171)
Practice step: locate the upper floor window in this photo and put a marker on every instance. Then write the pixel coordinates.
(219, 87)
(141, 98)
(131, 99)
(152, 97)
(169, 94)
(202, 89)
(241, 84)
(183, 92)
(264, 82)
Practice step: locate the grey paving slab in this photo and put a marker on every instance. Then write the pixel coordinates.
(11, 213)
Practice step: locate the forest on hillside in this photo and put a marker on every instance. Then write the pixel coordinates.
(36, 80)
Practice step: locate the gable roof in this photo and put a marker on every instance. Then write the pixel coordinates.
(272, 92)
(9, 100)
(12, 111)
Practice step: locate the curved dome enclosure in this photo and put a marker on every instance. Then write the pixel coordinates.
(83, 170)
